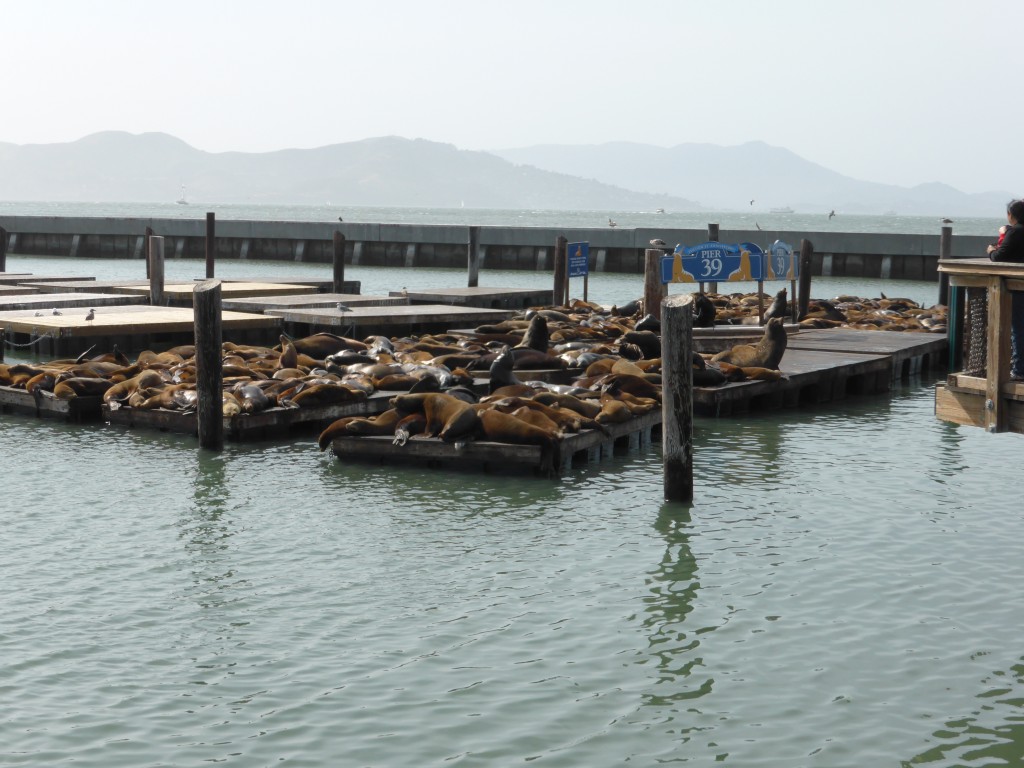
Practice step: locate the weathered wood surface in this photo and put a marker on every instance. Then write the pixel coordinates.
(17, 290)
(967, 406)
(369, 317)
(13, 400)
(15, 279)
(481, 297)
(181, 292)
(127, 320)
(312, 300)
(82, 286)
(677, 397)
(48, 301)
(209, 343)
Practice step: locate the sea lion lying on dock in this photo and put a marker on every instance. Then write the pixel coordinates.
(767, 353)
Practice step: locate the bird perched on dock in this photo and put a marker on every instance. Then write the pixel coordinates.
(658, 243)
(91, 316)
(612, 223)
(946, 221)
(56, 312)
(343, 307)
(39, 314)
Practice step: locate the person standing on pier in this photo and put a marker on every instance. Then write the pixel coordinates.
(1011, 248)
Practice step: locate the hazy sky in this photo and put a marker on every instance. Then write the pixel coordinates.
(895, 91)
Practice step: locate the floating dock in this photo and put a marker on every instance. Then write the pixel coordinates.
(489, 298)
(77, 409)
(311, 301)
(585, 446)
(131, 327)
(45, 302)
(179, 294)
(9, 278)
(420, 318)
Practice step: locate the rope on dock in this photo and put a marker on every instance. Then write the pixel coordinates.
(35, 340)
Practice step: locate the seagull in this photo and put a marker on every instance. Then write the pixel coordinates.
(56, 312)
(91, 316)
(946, 221)
(612, 223)
(39, 314)
(405, 292)
(831, 214)
(343, 307)
(757, 225)
(340, 219)
(751, 202)
(658, 243)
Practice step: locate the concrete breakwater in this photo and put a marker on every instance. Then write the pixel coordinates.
(838, 254)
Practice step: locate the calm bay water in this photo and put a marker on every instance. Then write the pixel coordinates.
(846, 590)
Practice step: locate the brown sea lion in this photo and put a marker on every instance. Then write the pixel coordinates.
(80, 386)
(767, 353)
(779, 306)
(325, 394)
(439, 409)
(505, 428)
(536, 336)
(121, 391)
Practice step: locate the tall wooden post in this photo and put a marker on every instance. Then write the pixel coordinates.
(945, 252)
(155, 246)
(339, 261)
(806, 252)
(3, 249)
(474, 257)
(211, 245)
(561, 269)
(712, 238)
(206, 307)
(677, 396)
(654, 289)
(145, 248)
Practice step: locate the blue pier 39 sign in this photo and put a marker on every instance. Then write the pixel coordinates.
(713, 262)
(579, 259)
(781, 264)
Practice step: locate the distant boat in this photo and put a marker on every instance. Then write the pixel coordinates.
(787, 209)
(181, 200)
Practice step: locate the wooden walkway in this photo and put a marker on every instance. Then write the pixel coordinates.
(80, 286)
(311, 301)
(132, 328)
(490, 298)
(8, 278)
(409, 319)
(45, 302)
(180, 293)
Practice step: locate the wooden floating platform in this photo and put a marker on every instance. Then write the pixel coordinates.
(962, 400)
(9, 279)
(14, 400)
(403, 319)
(47, 301)
(310, 301)
(16, 290)
(491, 298)
(180, 293)
(589, 445)
(722, 337)
(273, 422)
(132, 327)
(910, 353)
(68, 285)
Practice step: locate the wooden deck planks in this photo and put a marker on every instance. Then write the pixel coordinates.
(371, 317)
(124, 320)
(491, 298)
(311, 301)
(47, 301)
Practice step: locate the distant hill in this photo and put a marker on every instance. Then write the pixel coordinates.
(728, 178)
(388, 171)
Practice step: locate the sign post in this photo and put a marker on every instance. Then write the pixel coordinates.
(579, 263)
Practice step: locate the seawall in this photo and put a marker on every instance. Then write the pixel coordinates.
(839, 254)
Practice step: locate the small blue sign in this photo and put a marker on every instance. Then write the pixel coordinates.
(713, 262)
(781, 264)
(579, 259)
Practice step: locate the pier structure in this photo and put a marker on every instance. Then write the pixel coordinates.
(836, 254)
(978, 392)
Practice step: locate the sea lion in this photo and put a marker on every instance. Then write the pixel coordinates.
(438, 407)
(80, 386)
(382, 424)
(501, 374)
(505, 428)
(650, 323)
(628, 309)
(536, 336)
(413, 424)
(322, 345)
(648, 341)
(121, 391)
(779, 306)
(704, 311)
(767, 353)
(325, 394)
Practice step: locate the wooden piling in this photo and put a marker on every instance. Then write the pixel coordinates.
(155, 259)
(211, 244)
(339, 262)
(561, 270)
(474, 257)
(155, 246)
(654, 289)
(945, 252)
(206, 303)
(148, 233)
(3, 343)
(3, 249)
(804, 298)
(677, 396)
